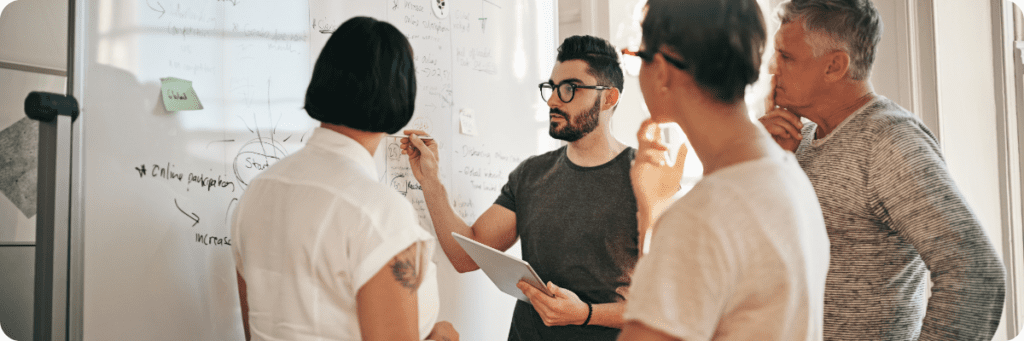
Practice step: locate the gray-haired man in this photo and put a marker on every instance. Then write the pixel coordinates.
(891, 208)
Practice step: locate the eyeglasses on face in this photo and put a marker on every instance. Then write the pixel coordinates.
(648, 56)
(566, 91)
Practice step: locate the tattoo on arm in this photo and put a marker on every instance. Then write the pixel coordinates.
(404, 270)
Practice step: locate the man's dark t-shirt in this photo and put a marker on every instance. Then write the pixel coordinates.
(578, 230)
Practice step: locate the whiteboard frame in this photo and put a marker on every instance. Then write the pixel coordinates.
(77, 11)
(53, 268)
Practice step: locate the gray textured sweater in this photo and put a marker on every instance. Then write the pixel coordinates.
(892, 213)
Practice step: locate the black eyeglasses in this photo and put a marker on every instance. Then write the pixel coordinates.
(648, 56)
(565, 90)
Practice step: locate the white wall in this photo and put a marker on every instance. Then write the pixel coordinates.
(624, 32)
(891, 74)
(967, 108)
(38, 32)
(967, 104)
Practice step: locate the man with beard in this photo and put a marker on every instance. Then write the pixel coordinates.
(574, 207)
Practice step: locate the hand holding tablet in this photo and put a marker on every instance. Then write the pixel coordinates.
(504, 270)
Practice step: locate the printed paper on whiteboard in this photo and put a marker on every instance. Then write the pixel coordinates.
(467, 122)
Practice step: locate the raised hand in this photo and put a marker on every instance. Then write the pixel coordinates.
(423, 156)
(655, 176)
(783, 125)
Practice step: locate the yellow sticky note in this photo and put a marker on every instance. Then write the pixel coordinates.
(179, 95)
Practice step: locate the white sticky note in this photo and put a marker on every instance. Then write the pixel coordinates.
(467, 122)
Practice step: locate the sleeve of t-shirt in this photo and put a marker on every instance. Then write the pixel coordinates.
(917, 198)
(682, 285)
(507, 197)
(379, 237)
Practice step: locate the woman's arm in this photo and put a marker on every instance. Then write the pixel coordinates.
(387, 305)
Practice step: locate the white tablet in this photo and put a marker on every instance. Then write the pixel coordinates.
(504, 270)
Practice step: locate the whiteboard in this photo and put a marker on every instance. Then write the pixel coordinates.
(159, 186)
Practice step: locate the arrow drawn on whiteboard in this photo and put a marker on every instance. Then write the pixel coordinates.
(228, 213)
(193, 216)
(161, 10)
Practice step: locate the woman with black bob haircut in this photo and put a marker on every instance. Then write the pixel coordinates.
(364, 78)
(322, 249)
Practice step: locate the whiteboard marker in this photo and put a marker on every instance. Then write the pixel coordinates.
(421, 137)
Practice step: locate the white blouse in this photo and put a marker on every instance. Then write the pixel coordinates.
(311, 230)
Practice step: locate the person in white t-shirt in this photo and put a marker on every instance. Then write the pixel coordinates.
(324, 251)
(744, 254)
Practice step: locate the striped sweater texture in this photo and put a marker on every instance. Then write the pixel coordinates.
(893, 216)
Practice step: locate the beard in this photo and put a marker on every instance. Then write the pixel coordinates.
(577, 126)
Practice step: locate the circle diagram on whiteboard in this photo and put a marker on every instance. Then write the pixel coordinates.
(440, 8)
(256, 156)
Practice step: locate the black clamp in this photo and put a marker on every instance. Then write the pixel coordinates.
(45, 106)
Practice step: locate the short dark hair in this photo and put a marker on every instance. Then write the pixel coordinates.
(364, 78)
(721, 40)
(600, 56)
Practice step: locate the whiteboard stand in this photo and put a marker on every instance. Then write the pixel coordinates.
(55, 114)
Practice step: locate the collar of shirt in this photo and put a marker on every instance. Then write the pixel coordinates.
(345, 146)
(821, 141)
